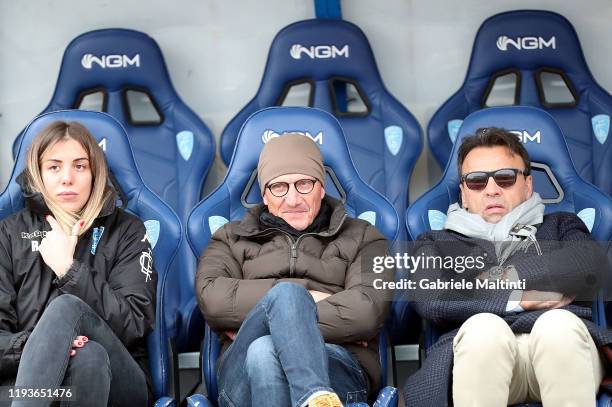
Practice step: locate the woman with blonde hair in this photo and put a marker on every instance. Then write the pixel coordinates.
(77, 284)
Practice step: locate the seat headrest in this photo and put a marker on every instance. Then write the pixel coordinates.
(538, 131)
(112, 58)
(533, 58)
(529, 39)
(320, 49)
(329, 64)
(164, 133)
(272, 122)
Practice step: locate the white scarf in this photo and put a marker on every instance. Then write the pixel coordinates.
(503, 233)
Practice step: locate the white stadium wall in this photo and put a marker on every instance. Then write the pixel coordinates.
(216, 51)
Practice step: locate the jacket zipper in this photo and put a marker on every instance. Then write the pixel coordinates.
(292, 254)
(293, 245)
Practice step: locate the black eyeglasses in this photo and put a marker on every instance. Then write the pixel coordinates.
(505, 178)
(303, 186)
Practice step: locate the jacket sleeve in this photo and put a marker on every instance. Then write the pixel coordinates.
(126, 301)
(11, 340)
(576, 264)
(225, 298)
(451, 306)
(359, 311)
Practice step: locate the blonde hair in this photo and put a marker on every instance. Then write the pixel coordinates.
(100, 194)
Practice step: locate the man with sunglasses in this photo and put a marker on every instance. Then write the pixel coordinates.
(283, 288)
(509, 346)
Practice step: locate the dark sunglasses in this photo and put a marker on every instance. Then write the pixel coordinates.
(303, 186)
(505, 178)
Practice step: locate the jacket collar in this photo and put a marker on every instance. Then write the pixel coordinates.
(251, 226)
(35, 202)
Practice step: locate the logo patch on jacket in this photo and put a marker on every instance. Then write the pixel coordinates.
(95, 238)
(34, 235)
(37, 234)
(146, 264)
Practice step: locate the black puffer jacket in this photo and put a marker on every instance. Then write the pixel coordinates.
(114, 275)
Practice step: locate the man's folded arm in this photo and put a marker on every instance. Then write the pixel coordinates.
(359, 311)
(224, 297)
(578, 267)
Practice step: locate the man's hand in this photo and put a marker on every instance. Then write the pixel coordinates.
(534, 300)
(318, 295)
(57, 248)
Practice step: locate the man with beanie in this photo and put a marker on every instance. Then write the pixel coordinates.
(513, 343)
(283, 288)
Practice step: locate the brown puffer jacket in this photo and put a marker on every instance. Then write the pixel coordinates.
(243, 261)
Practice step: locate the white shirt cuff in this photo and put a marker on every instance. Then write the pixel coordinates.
(514, 301)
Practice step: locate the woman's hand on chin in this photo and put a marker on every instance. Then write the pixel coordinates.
(57, 247)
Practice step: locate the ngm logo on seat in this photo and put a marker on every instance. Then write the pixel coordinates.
(270, 134)
(110, 61)
(525, 43)
(319, 51)
(526, 137)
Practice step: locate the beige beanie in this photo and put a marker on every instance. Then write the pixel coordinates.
(289, 154)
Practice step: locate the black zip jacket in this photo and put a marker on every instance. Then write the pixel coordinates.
(112, 272)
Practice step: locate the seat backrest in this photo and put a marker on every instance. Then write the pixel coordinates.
(122, 72)
(329, 64)
(533, 58)
(239, 189)
(162, 224)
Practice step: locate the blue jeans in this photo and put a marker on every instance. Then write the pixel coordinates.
(102, 372)
(279, 357)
